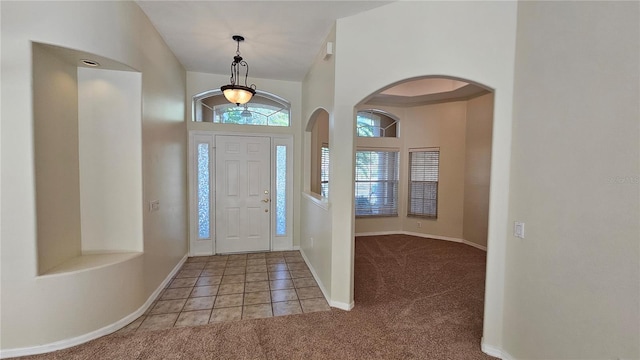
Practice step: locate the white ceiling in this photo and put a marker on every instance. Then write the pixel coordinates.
(282, 37)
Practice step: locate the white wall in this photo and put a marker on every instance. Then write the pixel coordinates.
(54, 302)
(443, 38)
(55, 158)
(572, 288)
(315, 220)
(110, 159)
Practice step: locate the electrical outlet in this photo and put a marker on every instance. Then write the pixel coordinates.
(154, 205)
(518, 229)
(419, 223)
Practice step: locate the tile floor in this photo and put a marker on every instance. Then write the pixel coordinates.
(217, 288)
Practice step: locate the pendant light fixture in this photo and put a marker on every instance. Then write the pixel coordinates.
(234, 92)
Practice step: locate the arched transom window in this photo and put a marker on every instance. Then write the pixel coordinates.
(376, 123)
(263, 109)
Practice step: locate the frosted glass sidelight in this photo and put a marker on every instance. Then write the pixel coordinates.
(281, 186)
(203, 191)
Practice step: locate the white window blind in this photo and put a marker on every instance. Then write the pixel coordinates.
(324, 171)
(376, 183)
(423, 183)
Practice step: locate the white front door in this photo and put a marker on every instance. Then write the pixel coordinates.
(243, 193)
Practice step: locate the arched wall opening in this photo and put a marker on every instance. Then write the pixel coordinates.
(446, 117)
(430, 181)
(318, 147)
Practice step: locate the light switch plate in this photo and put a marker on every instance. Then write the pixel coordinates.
(518, 229)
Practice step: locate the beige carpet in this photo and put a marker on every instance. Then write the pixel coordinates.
(415, 299)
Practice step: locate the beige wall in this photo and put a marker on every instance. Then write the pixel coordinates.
(108, 294)
(477, 173)
(572, 288)
(57, 177)
(110, 148)
(462, 131)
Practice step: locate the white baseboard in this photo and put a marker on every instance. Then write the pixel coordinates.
(335, 304)
(495, 351)
(341, 305)
(428, 236)
(67, 343)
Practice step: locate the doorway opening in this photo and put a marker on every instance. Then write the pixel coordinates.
(422, 171)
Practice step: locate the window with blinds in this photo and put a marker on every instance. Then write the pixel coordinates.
(324, 170)
(376, 183)
(423, 182)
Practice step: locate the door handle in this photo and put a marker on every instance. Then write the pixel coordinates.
(266, 200)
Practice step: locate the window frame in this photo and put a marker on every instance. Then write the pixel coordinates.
(395, 183)
(286, 105)
(423, 215)
(381, 130)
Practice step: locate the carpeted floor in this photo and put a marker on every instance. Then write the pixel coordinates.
(415, 299)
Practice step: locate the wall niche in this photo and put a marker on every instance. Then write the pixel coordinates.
(88, 159)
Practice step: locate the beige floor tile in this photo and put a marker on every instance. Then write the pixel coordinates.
(297, 266)
(212, 272)
(276, 260)
(236, 263)
(226, 314)
(281, 284)
(256, 256)
(279, 275)
(131, 327)
(256, 286)
(199, 291)
(309, 293)
(277, 267)
(304, 282)
(313, 305)
(273, 254)
(231, 279)
(226, 289)
(228, 300)
(300, 273)
(256, 268)
(286, 308)
(199, 303)
(257, 311)
(254, 262)
(197, 259)
(258, 276)
(182, 282)
(188, 273)
(168, 306)
(151, 307)
(260, 297)
(238, 270)
(294, 259)
(193, 318)
(208, 280)
(218, 258)
(283, 295)
(235, 257)
(158, 322)
(215, 265)
(172, 294)
(193, 266)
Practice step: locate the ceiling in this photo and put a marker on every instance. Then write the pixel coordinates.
(282, 37)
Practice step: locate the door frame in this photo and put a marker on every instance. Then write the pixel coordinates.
(277, 242)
